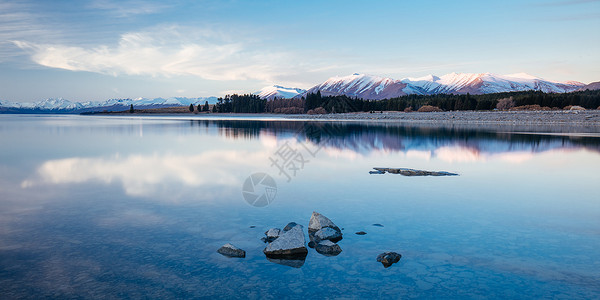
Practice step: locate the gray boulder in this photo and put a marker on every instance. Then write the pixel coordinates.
(318, 221)
(328, 248)
(327, 233)
(326, 229)
(231, 251)
(388, 258)
(291, 243)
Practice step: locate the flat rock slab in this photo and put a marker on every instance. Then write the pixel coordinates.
(231, 251)
(388, 258)
(291, 243)
(411, 172)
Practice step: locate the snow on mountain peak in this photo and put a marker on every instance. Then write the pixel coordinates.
(278, 91)
(374, 87)
(523, 75)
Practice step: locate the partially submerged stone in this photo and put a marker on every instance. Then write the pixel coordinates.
(231, 251)
(328, 233)
(411, 172)
(271, 235)
(328, 248)
(289, 226)
(388, 258)
(361, 233)
(291, 243)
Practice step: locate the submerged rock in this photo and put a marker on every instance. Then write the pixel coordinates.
(329, 248)
(327, 233)
(271, 235)
(289, 226)
(377, 225)
(231, 251)
(388, 258)
(291, 243)
(361, 233)
(411, 172)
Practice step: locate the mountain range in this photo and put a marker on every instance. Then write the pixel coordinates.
(356, 85)
(60, 105)
(376, 88)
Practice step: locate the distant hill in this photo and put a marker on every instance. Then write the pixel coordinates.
(592, 86)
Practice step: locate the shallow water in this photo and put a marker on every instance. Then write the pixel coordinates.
(137, 207)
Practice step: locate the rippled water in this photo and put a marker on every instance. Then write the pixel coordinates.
(137, 207)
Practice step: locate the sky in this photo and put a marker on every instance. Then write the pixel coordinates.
(92, 50)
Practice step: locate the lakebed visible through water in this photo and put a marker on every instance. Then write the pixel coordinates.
(97, 206)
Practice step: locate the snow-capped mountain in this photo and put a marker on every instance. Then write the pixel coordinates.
(46, 104)
(277, 91)
(361, 86)
(375, 88)
(62, 105)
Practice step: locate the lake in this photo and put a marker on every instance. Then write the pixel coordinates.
(135, 207)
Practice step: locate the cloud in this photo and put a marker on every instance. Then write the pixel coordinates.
(164, 51)
(125, 9)
(17, 22)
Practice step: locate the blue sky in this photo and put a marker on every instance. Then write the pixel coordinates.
(100, 49)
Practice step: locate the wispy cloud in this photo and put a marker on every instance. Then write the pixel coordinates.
(165, 51)
(128, 8)
(17, 22)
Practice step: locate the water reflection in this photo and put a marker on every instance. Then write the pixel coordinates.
(165, 174)
(364, 137)
(115, 206)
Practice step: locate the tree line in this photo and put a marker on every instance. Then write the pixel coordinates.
(313, 102)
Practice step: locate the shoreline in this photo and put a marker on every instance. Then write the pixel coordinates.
(586, 118)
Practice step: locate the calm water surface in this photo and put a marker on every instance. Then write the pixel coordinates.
(123, 207)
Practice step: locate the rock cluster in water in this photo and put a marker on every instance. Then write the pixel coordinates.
(324, 235)
(411, 172)
(287, 246)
